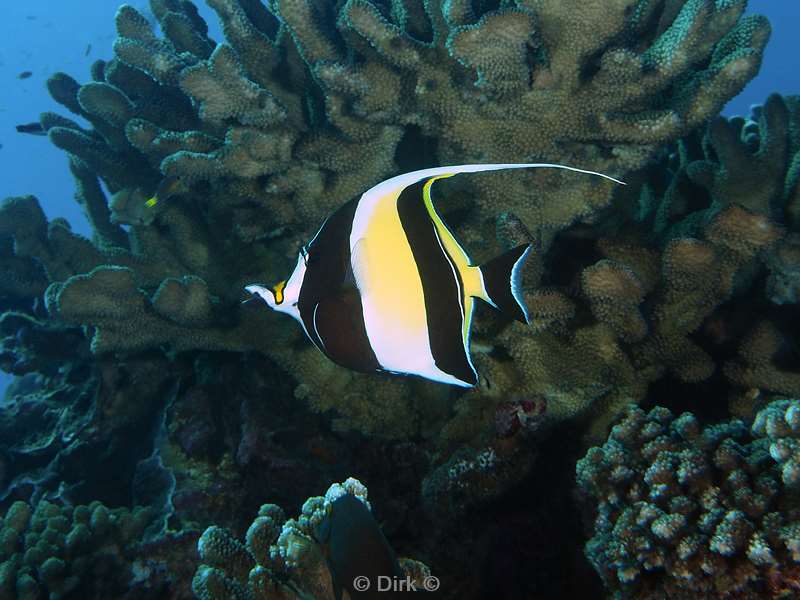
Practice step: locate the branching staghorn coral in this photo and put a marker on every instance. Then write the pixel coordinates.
(689, 512)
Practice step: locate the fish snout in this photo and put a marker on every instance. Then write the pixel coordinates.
(260, 291)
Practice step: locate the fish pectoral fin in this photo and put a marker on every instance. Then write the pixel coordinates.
(349, 281)
(359, 267)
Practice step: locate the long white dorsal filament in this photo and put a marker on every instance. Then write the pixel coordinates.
(406, 179)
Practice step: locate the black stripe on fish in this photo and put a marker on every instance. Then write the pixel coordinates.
(442, 287)
(329, 303)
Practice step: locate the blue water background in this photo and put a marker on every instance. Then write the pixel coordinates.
(46, 36)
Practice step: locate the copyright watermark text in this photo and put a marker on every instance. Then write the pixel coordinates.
(385, 583)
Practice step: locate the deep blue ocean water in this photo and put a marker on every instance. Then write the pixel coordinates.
(46, 36)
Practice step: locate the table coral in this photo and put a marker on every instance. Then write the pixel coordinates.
(685, 511)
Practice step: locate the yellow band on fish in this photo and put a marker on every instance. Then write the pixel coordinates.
(151, 202)
(277, 291)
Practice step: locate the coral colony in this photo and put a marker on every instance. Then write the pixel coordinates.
(153, 412)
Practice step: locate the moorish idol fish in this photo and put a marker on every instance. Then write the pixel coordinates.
(385, 286)
(355, 547)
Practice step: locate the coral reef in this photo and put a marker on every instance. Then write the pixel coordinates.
(53, 551)
(142, 379)
(689, 512)
(648, 295)
(262, 136)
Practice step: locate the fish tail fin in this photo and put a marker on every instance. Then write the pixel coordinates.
(502, 282)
